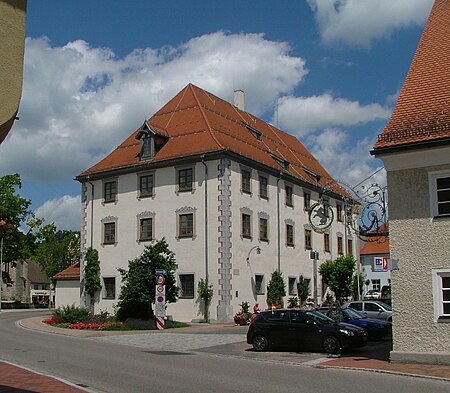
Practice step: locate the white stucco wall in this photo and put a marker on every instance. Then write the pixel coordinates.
(67, 293)
(421, 243)
(190, 252)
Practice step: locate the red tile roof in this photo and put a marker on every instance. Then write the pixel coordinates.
(71, 273)
(196, 122)
(376, 245)
(422, 112)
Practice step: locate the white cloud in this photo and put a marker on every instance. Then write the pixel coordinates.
(80, 102)
(346, 165)
(359, 22)
(302, 115)
(64, 212)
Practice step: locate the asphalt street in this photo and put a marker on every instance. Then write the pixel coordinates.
(219, 361)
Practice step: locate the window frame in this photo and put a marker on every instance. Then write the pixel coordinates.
(292, 289)
(308, 239)
(290, 235)
(146, 193)
(246, 183)
(350, 247)
(340, 245)
(260, 290)
(339, 211)
(264, 187)
(112, 197)
(306, 200)
(105, 293)
(106, 233)
(141, 221)
(181, 188)
(433, 178)
(439, 300)
(246, 230)
(326, 242)
(187, 233)
(263, 229)
(289, 195)
(190, 295)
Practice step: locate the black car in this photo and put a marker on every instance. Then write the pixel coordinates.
(302, 329)
(375, 328)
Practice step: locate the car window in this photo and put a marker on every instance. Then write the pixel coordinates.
(356, 306)
(276, 316)
(372, 307)
(318, 317)
(351, 313)
(297, 316)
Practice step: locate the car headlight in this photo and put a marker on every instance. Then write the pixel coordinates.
(347, 332)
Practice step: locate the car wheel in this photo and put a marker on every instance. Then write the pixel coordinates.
(331, 344)
(260, 343)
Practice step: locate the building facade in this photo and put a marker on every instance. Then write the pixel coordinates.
(415, 149)
(229, 193)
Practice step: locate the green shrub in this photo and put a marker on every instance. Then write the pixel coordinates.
(70, 314)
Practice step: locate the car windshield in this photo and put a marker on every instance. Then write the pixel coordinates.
(319, 317)
(386, 306)
(352, 314)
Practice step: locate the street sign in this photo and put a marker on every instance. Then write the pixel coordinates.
(161, 272)
(380, 264)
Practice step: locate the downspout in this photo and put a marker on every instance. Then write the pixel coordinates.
(278, 222)
(91, 241)
(206, 232)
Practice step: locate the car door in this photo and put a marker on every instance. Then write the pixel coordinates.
(373, 310)
(276, 328)
(303, 332)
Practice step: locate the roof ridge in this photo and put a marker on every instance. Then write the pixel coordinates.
(191, 86)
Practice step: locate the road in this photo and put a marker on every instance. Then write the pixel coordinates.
(104, 365)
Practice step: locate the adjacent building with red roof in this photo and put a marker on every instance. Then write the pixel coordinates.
(219, 184)
(415, 149)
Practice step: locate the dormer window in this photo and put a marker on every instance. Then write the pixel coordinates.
(147, 137)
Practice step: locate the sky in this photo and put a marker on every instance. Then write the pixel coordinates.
(327, 71)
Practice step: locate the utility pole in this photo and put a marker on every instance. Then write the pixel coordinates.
(314, 256)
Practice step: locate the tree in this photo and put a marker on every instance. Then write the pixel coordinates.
(205, 292)
(56, 250)
(276, 289)
(338, 275)
(15, 214)
(138, 283)
(92, 282)
(303, 289)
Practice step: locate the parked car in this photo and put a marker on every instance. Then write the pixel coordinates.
(302, 329)
(375, 328)
(372, 294)
(372, 309)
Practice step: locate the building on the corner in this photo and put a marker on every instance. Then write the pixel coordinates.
(229, 192)
(415, 149)
(67, 286)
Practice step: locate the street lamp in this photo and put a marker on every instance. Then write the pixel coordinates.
(258, 251)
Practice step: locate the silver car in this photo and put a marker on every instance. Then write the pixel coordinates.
(372, 309)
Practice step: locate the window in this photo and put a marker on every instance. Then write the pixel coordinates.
(263, 187)
(292, 286)
(289, 198)
(306, 200)
(36, 287)
(349, 247)
(109, 287)
(376, 285)
(326, 242)
(145, 229)
(109, 191)
(308, 239)
(441, 294)
(186, 225)
(356, 306)
(109, 233)
(246, 181)
(263, 229)
(439, 193)
(147, 147)
(185, 179)
(259, 284)
(339, 245)
(186, 286)
(277, 316)
(372, 307)
(289, 235)
(146, 185)
(339, 212)
(246, 225)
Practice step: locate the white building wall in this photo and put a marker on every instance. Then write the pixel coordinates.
(67, 293)
(190, 252)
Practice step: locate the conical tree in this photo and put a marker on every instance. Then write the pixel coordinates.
(92, 282)
(276, 289)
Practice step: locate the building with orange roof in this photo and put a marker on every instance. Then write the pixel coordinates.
(229, 192)
(67, 287)
(415, 149)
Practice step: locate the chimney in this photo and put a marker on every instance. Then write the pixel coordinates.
(239, 99)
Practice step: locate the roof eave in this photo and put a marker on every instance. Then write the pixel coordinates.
(410, 146)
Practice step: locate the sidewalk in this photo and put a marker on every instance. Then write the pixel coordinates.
(17, 379)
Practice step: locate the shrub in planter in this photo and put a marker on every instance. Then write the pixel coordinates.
(70, 314)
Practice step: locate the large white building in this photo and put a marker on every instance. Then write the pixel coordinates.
(229, 192)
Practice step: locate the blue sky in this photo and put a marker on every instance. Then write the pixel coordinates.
(95, 69)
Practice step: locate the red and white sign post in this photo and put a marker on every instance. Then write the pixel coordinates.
(160, 298)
